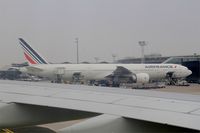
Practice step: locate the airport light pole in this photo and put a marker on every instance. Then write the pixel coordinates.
(142, 44)
(114, 57)
(77, 51)
(96, 59)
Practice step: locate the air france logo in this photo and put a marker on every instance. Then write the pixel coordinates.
(159, 66)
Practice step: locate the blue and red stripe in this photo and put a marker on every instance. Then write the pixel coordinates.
(31, 55)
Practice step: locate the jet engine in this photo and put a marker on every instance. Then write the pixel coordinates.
(141, 78)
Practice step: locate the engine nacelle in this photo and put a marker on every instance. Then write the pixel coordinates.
(141, 78)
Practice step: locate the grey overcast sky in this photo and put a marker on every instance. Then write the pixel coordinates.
(104, 27)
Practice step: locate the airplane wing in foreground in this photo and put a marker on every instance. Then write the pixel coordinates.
(26, 103)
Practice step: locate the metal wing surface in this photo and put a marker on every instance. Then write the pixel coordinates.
(122, 71)
(175, 109)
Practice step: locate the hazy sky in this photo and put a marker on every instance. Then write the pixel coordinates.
(104, 27)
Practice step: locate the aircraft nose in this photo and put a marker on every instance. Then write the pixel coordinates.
(189, 72)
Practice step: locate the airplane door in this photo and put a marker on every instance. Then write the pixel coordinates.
(60, 70)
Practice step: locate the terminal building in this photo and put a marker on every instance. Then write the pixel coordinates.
(192, 62)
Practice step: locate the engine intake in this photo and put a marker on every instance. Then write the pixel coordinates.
(141, 78)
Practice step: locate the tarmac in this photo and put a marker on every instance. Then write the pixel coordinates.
(192, 89)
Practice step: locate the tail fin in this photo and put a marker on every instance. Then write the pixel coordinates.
(30, 54)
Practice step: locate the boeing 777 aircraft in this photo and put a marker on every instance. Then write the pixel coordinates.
(109, 110)
(139, 73)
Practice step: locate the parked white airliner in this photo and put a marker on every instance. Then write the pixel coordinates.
(140, 73)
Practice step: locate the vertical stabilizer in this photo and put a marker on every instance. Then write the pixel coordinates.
(30, 54)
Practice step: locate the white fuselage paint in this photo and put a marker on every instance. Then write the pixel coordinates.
(100, 71)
